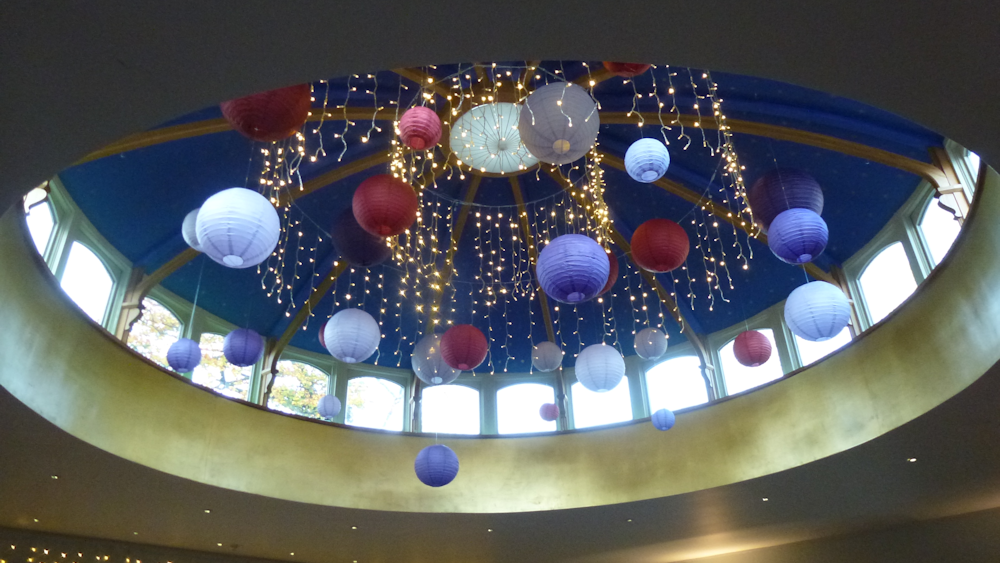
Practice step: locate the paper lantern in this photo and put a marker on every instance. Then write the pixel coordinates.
(783, 189)
(428, 364)
(647, 160)
(797, 236)
(549, 412)
(189, 230)
(751, 348)
(559, 123)
(626, 70)
(420, 128)
(328, 406)
(352, 335)
(385, 206)
(270, 116)
(356, 245)
(243, 347)
(238, 228)
(817, 311)
(547, 356)
(612, 273)
(464, 347)
(184, 355)
(572, 268)
(322, 336)
(486, 139)
(660, 245)
(436, 465)
(600, 367)
(650, 343)
(663, 419)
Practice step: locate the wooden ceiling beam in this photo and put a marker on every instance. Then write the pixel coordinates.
(522, 214)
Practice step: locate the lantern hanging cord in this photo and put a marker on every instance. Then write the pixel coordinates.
(197, 290)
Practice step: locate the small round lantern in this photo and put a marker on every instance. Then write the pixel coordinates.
(783, 189)
(751, 348)
(626, 70)
(600, 367)
(660, 245)
(352, 335)
(797, 236)
(238, 228)
(817, 311)
(385, 206)
(428, 364)
(612, 273)
(436, 465)
(464, 347)
(356, 245)
(650, 343)
(420, 128)
(647, 160)
(559, 123)
(547, 356)
(189, 230)
(572, 268)
(549, 412)
(243, 347)
(184, 355)
(328, 406)
(270, 116)
(663, 419)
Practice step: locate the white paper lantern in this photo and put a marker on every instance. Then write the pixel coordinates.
(547, 356)
(352, 335)
(428, 364)
(817, 311)
(647, 160)
(189, 230)
(328, 406)
(650, 343)
(600, 367)
(486, 138)
(238, 228)
(559, 123)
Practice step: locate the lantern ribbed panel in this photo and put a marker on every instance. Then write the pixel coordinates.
(385, 206)
(549, 412)
(322, 333)
(184, 355)
(797, 236)
(328, 406)
(243, 347)
(650, 343)
(600, 367)
(464, 347)
(352, 335)
(612, 273)
(559, 133)
(189, 230)
(420, 128)
(783, 189)
(270, 116)
(660, 245)
(663, 419)
(428, 364)
(572, 268)
(356, 245)
(436, 465)
(547, 356)
(626, 70)
(647, 160)
(751, 348)
(817, 311)
(238, 228)
(486, 138)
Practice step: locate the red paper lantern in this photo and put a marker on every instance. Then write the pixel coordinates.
(626, 70)
(549, 412)
(464, 347)
(420, 128)
(612, 274)
(660, 245)
(385, 206)
(322, 337)
(270, 116)
(751, 348)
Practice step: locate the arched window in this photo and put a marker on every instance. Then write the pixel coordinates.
(740, 377)
(373, 402)
(886, 281)
(676, 384)
(87, 281)
(154, 332)
(939, 230)
(517, 408)
(595, 409)
(216, 373)
(450, 409)
(810, 351)
(297, 389)
(41, 222)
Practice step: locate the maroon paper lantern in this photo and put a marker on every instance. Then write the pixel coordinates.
(385, 206)
(612, 275)
(626, 70)
(420, 128)
(322, 336)
(549, 412)
(660, 245)
(464, 347)
(270, 116)
(751, 348)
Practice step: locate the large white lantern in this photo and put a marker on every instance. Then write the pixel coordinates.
(428, 364)
(817, 311)
(650, 343)
(600, 367)
(352, 335)
(238, 228)
(189, 230)
(486, 139)
(559, 123)
(547, 356)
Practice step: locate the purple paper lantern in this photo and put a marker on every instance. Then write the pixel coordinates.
(184, 355)
(436, 465)
(663, 419)
(328, 406)
(356, 245)
(783, 189)
(572, 268)
(797, 236)
(243, 347)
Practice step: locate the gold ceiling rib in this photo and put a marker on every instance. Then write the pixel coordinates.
(420, 77)
(515, 188)
(139, 286)
(333, 176)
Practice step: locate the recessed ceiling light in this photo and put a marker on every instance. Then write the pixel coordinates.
(36, 519)
(354, 527)
(764, 499)
(219, 544)
(208, 511)
(55, 476)
(489, 529)
(135, 533)
(912, 460)
(629, 520)
(292, 553)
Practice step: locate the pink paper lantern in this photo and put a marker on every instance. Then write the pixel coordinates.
(549, 412)
(752, 348)
(420, 128)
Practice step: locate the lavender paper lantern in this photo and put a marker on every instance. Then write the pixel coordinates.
(559, 123)
(436, 465)
(783, 189)
(663, 419)
(797, 236)
(328, 406)
(817, 311)
(650, 343)
(647, 160)
(600, 367)
(428, 364)
(547, 356)
(243, 347)
(572, 268)
(238, 228)
(356, 245)
(189, 230)
(184, 355)
(351, 335)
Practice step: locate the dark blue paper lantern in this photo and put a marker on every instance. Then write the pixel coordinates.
(243, 347)
(647, 160)
(797, 236)
(663, 419)
(436, 465)
(572, 268)
(356, 245)
(184, 355)
(783, 189)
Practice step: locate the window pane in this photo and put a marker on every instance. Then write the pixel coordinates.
(594, 409)
(974, 166)
(740, 377)
(939, 229)
(297, 389)
(517, 408)
(40, 224)
(452, 409)
(373, 402)
(87, 282)
(887, 281)
(154, 332)
(811, 351)
(216, 373)
(676, 384)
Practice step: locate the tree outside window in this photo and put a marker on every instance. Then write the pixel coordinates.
(297, 389)
(155, 331)
(216, 373)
